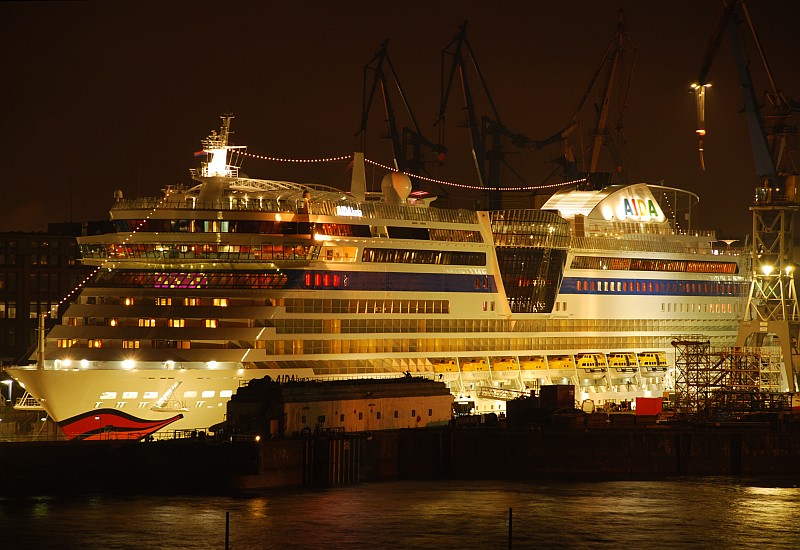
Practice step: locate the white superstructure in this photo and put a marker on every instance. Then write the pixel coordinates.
(208, 287)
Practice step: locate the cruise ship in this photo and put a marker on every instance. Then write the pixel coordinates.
(211, 285)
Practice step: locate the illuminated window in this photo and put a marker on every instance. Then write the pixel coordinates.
(129, 394)
(130, 344)
(147, 322)
(176, 322)
(127, 301)
(66, 342)
(113, 322)
(222, 302)
(95, 343)
(207, 393)
(150, 395)
(184, 344)
(191, 301)
(108, 395)
(189, 394)
(210, 323)
(163, 301)
(226, 393)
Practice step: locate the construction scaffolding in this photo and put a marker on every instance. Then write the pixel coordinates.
(716, 383)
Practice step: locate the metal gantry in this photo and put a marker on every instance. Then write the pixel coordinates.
(772, 307)
(717, 383)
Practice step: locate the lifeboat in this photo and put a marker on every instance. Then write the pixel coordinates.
(475, 369)
(504, 369)
(533, 368)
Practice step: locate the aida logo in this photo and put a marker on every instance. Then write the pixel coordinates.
(639, 208)
(343, 210)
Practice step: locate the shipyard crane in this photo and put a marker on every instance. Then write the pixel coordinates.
(407, 149)
(772, 307)
(769, 122)
(487, 134)
(606, 77)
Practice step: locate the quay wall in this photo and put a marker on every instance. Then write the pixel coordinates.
(212, 466)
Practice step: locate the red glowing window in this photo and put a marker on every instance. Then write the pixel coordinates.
(308, 279)
(327, 279)
(317, 279)
(336, 280)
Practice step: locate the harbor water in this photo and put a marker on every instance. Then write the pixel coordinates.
(715, 512)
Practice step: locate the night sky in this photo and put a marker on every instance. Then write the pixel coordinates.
(98, 96)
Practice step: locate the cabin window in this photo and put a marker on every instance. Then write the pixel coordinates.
(210, 323)
(396, 414)
(413, 412)
(378, 415)
(221, 302)
(176, 322)
(430, 412)
(163, 301)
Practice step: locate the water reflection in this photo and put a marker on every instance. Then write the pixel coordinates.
(704, 513)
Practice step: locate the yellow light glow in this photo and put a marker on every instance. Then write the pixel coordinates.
(766, 269)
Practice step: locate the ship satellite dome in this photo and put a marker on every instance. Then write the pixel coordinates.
(118, 194)
(396, 186)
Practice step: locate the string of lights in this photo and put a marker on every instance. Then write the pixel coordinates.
(296, 161)
(424, 178)
(102, 265)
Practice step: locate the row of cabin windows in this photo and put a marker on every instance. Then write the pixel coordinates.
(321, 419)
(189, 394)
(126, 344)
(700, 308)
(657, 286)
(166, 301)
(647, 264)
(151, 322)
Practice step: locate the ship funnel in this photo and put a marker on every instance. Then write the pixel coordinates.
(358, 182)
